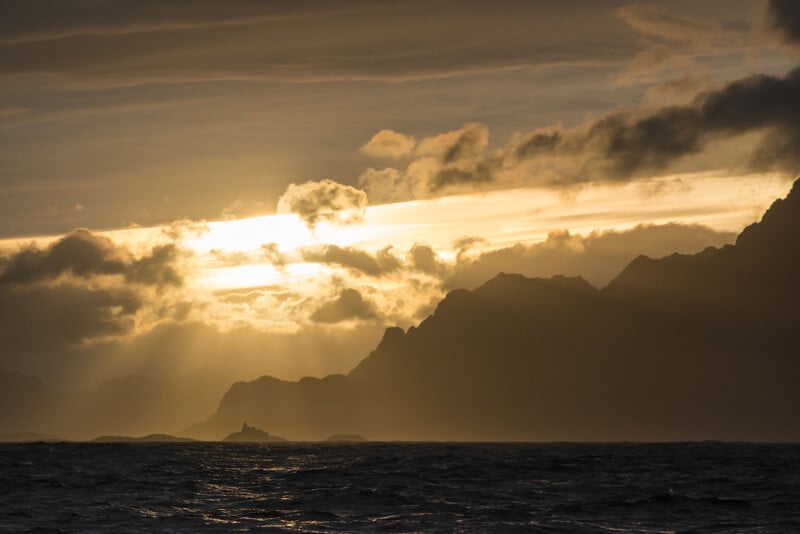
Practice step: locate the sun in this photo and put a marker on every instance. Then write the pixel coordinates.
(286, 231)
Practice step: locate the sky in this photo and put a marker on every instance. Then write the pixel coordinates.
(247, 188)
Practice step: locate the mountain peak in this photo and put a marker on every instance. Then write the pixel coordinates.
(778, 228)
(505, 281)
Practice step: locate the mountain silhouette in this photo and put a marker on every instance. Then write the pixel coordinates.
(150, 438)
(755, 279)
(685, 347)
(250, 434)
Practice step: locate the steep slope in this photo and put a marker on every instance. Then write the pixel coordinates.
(687, 347)
(757, 279)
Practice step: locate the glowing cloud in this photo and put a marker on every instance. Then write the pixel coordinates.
(325, 200)
(389, 144)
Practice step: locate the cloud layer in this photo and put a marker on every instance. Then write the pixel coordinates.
(81, 288)
(784, 17)
(324, 200)
(182, 40)
(348, 305)
(618, 147)
(83, 254)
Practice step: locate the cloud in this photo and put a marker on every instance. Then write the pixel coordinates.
(424, 259)
(183, 228)
(629, 144)
(83, 288)
(620, 146)
(272, 253)
(460, 157)
(354, 259)
(385, 185)
(784, 18)
(324, 200)
(180, 40)
(34, 317)
(671, 40)
(389, 144)
(467, 142)
(676, 91)
(65, 19)
(349, 305)
(85, 255)
(451, 161)
(658, 22)
(597, 257)
(463, 245)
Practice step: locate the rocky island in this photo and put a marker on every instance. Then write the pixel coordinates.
(150, 438)
(251, 434)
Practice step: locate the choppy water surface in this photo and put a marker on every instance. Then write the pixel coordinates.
(712, 487)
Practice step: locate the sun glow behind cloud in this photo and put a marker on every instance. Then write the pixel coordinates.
(230, 254)
(248, 235)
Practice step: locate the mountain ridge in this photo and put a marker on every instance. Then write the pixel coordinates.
(684, 347)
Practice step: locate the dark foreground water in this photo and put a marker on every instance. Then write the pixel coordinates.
(707, 487)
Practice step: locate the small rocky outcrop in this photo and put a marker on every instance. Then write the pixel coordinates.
(251, 434)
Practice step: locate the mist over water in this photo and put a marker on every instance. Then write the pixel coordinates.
(673, 487)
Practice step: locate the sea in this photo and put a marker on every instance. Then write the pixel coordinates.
(400, 487)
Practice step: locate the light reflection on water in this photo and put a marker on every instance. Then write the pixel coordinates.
(402, 487)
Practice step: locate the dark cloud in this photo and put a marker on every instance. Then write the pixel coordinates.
(538, 143)
(632, 143)
(620, 146)
(353, 258)
(784, 17)
(53, 297)
(34, 317)
(480, 173)
(349, 305)
(324, 200)
(460, 157)
(470, 142)
(157, 268)
(625, 145)
(83, 254)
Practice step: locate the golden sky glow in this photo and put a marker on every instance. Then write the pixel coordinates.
(229, 252)
(213, 159)
(273, 272)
